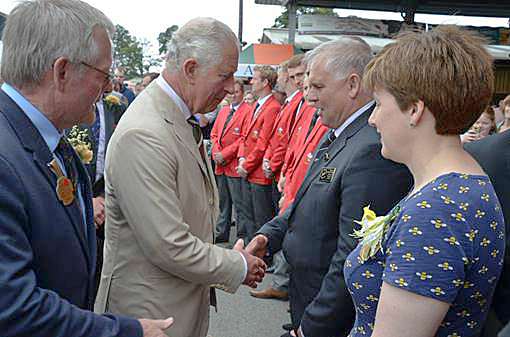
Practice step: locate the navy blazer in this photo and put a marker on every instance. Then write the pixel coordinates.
(47, 254)
(315, 231)
(493, 154)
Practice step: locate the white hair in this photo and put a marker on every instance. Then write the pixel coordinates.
(202, 39)
(348, 55)
(38, 32)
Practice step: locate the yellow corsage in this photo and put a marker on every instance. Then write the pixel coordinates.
(79, 141)
(372, 231)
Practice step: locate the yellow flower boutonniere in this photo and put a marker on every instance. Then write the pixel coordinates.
(111, 100)
(79, 141)
(372, 231)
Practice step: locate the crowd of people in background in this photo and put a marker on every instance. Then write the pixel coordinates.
(373, 197)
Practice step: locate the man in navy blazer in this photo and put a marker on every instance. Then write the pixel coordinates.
(347, 173)
(493, 154)
(55, 68)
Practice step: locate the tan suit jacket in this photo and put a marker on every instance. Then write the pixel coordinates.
(161, 204)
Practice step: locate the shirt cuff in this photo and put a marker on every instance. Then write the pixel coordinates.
(245, 271)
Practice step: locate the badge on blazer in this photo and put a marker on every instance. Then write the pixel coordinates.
(65, 188)
(327, 174)
(255, 134)
(309, 157)
(280, 131)
(236, 132)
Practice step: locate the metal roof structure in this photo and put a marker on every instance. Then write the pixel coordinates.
(310, 41)
(488, 8)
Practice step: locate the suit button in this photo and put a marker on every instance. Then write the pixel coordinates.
(211, 201)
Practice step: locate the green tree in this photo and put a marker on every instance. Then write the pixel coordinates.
(283, 20)
(127, 52)
(148, 58)
(165, 37)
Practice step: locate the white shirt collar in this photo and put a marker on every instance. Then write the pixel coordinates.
(173, 95)
(352, 118)
(289, 98)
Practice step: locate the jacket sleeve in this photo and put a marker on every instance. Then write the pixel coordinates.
(331, 313)
(148, 184)
(25, 308)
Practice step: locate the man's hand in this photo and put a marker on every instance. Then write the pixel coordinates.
(218, 158)
(240, 169)
(266, 168)
(155, 327)
(256, 266)
(98, 206)
(281, 184)
(258, 246)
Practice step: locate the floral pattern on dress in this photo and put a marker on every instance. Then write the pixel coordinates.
(447, 243)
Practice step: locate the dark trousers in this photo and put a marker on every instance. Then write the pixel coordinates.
(224, 218)
(256, 208)
(234, 186)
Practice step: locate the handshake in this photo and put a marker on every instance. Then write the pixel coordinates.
(253, 253)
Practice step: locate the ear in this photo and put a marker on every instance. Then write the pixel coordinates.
(61, 73)
(354, 85)
(190, 69)
(416, 111)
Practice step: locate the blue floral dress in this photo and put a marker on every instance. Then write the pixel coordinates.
(447, 243)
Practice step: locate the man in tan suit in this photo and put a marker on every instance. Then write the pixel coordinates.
(161, 198)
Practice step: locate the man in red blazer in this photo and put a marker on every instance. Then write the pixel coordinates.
(256, 188)
(225, 138)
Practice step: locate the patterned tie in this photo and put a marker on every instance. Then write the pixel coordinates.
(197, 134)
(95, 127)
(322, 152)
(66, 152)
(313, 122)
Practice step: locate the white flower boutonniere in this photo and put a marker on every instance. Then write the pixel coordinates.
(372, 231)
(79, 141)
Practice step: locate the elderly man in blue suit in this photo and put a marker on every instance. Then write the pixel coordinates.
(55, 68)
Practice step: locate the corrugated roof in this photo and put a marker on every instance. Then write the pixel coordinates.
(310, 41)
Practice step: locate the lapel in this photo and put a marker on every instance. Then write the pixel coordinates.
(236, 116)
(33, 142)
(333, 151)
(183, 131)
(261, 110)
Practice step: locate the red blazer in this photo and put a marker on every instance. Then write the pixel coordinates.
(280, 136)
(255, 140)
(296, 174)
(226, 138)
(298, 136)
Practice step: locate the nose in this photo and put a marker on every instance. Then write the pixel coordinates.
(108, 87)
(229, 85)
(371, 119)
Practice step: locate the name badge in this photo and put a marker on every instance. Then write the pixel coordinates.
(327, 174)
(236, 132)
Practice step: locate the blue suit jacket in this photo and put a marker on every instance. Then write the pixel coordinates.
(47, 254)
(493, 154)
(315, 231)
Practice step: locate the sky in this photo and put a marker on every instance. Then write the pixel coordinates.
(147, 18)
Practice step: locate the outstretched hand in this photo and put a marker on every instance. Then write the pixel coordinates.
(256, 266)
(258, 246)
(155, 327)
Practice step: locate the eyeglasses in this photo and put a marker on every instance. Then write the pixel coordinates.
(108, 75)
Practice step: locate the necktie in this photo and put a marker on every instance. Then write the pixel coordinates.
(94, 129)
(255, 110)
(229, 118)
(66, 152)
(313, 122)
(322, 152)
(197, 134)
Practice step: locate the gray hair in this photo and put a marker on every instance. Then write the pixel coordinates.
(348, 55)
(202, 39)
(38, 32)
